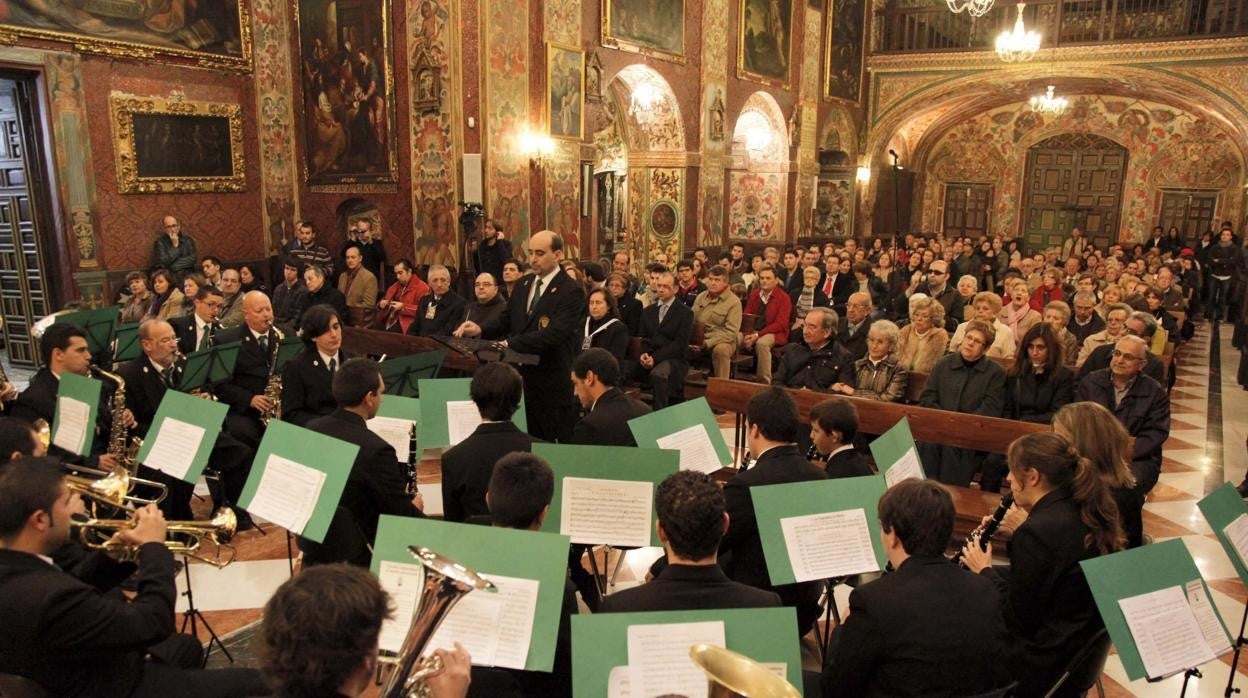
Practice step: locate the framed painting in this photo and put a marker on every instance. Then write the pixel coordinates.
(172, 145)
(764, 41)
(651, 27)
(565, 91)
(347, 71)
(845, 30)
(213, 34)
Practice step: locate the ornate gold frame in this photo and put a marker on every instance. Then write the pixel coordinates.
(86, 43)
(755, 77)
(827, 53)
(615, 42)
(551, 47)
(122, 109)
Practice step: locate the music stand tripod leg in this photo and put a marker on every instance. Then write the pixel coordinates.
(193, 617)
(1239, 646)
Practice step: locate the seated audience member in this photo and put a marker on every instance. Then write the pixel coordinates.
(1139, 324)
(511, 274)
(320, 292)
(231, 284)
(771, 308)
(666, 326)
(1084, 320)
(833, 426)
(603, 326)
(987, 307)
(320, 632)
(818, 362)
(305, 248)
(1019, 316)
(865, 281)
(290, 297)
(167, 300)
(620, 286)
(688, 286)
(1098, 436)
(190, 291)
(596, 382)
(1057, 316)
(878, 375)
(250, 278)
(211, 267)
(139, 300)
(967, 382)
(859, 312)
(943, 292)
(70, 637)
(1050, 290)
(1139, 402)
(929, 628)
(441, 310)
(307, 379)
(691, 522)
(1155, 298)
(496, 390)
(771, 433)
(719, 311)
(968, 286)
(1071, 516)
(398, 307)
(488, 303)
(922, 341)
(1115, 328)
(807, 297)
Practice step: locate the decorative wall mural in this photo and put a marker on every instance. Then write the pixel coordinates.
(71, 143)
(652, 27)
(565, 91)
(834, 208)
(764, 40)
(505, 114)
(843, 56)
(174, 145)
(433, 154)
(275, 112)
(711, 222)
(715, 43)
(756, 206)
(663, 219)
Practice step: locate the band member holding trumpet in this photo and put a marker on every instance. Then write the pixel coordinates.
(245, 391)
(67, 636)
(307, 379)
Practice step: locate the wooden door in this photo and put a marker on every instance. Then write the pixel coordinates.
(966, 208)
(1191, 211)
(1074, 180)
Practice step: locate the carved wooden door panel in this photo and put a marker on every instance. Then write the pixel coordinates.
(966, 208)
(1191, 211)
(1073, 180)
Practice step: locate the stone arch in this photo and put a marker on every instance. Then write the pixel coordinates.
(658, 130)
(758, 174)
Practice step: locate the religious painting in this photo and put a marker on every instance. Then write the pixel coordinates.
(664, 219)
(565, 91)
(426, 81)
(347, 72)
(212, 34)
(651, 27)
(764, 40)
(172, 145)
(845, 29)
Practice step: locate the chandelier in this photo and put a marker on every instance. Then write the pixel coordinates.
(1048, 104)
(644, 99)
(1019, 45)
(975, 8)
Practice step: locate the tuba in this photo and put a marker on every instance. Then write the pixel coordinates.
(273, 386)
(446, 582)
(732, 675)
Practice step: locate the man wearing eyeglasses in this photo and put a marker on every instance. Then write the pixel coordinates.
(488, 304)
(939, 289)
(173, 249)
(1139, 402)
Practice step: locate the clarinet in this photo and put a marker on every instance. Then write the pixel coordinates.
(412, 459)
(985, 531)
(813, 454)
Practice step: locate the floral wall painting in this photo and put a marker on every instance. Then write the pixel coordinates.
(347, 69)
(565, 91)
(764, 40)
(651, 27)
(843, 56)
(834, 207)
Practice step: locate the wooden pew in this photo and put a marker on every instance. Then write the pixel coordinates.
(362, 342)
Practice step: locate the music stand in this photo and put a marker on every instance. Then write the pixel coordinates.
(98, 325)
(211, 365)
(402, 374)
(126, 345)
(287, 350)
(193, 616)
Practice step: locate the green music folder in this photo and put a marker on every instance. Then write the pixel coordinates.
(614, 463)
(600, 641)
(490, 551)
(127, 345)
(1131, 573)
(405, 408)
(81, 395)
(689, 427)
(403, 374)
(896, 447)
(182, 422)
(99, 325)
(309, 472)
(773, 503)
(435, 394)
(1221, 507)
(211, 365)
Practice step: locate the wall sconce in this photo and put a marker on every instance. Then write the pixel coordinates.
(864, 173)
(538, 147)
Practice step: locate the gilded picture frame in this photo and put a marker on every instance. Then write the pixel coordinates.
(565, 91)
(211, 35)
(170, 145)
(631, 25)
(844, 56)
(765, 41)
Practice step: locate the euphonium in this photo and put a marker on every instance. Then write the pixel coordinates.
(446, 582)
(185, 537)
(732, 675)
(273, 387)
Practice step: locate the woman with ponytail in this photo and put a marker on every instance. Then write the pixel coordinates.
(1046, 602)
(1098, 436)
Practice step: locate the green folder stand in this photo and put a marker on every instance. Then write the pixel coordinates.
(600, 641)
(1221, 507)
(1133, 572)
(99, 325)
(205, 414)
(403, 374)
(312, 450)
(490, 551)
(126, 345)
(84, 390)
(894, 445)
(211, 365)
(648, 429)
(434, 394)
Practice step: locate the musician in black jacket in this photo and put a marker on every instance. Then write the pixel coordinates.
(377, 481)
(197, 330)
(833, 428)
(666, 327)
(244, 391)
(68, 637)
(818, 362)
(441, 310)
(307, 379)
(930, 628)
(596, 381)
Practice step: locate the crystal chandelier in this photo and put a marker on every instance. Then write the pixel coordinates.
(1048, 104)
(1019, 45)
(975, 8)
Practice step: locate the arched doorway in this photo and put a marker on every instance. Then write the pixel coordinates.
(1073, 180)
(758, 181)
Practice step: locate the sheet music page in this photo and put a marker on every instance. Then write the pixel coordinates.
(906, 467)
(287, 493)
(832, 544)
(403, 582)
(473, 622)
(1237, 533)
(71, 431)
(696, 450)
(1210, 627)
(432, 493)
(780, 669)
(517, 597)
(462, 418)
(658, 658)
(1165, 631)
(396, 432)
(176, 444)
(615, 512)
(619, 684)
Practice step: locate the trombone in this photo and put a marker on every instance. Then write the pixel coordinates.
(185, 537)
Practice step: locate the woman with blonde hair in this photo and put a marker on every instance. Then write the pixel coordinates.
(1100, 437)
(923, 341)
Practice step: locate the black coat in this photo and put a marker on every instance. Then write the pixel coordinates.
(688, 588)
(490, 258)
(802, 368)
(956, 387)
(1082, 332)
(1100, 356)
(184, 328)
(1144, 411)
(331, 296)
(847, 463)
(307, 386)
(614, 337)
(842, 286)
(38, 401)
(251, 370)
(630, 313)
(818, 301)
(449, 313)
(1034, 398)
(855, 344)
(669, 340)
(930, 628)
(607, 423)
(467, 467)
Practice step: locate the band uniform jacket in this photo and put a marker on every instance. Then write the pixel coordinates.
(847, 463)
(689, 588)
(361, 296)
(814, 370)
(184, 328)
(607, 423)
(448, 314)
(307, 386)
(667, 340)
(468, 465)
(251, 370)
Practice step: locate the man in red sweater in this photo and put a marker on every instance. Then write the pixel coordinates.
(771, 326)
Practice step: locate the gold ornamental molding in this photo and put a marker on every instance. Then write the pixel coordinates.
(661, 159)
(176, 145)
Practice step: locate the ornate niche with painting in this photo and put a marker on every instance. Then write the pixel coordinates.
(764, 40)
(565, 84)
(651, 27)
(172, 145)
(845, 30)
(348, 95)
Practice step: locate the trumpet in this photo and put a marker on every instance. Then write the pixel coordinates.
(91, 482)
(185, 537)
(732, 675)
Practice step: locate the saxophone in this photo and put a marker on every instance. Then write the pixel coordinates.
(120, 444)
(273, 387)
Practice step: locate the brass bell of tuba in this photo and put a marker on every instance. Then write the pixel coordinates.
(733, 675)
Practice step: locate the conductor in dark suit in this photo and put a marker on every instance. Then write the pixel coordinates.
(596, 380)
(930, 628)
(244, 391)
(307, 379)
(543, 317)
(376, 483)
(496, 390)
(772, 420)
(196, 330)
(691, 521)
(441, 310)
(666, 327)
